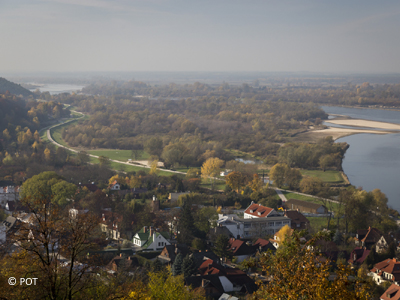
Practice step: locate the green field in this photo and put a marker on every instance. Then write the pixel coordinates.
(218, 185)
(319, 223)
(331, 205)
(327, 176)
(121, 155)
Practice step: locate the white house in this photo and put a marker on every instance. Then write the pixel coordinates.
(115, 186)
(150, 239)
(254, 227)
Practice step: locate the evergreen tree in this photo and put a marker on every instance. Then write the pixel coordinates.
(186, 227)
(337, 238)
(156, 266)
(177, 265)
(221, 246)
(188, 266)
(179, 186)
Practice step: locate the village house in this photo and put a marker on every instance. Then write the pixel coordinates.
(384, 242)
(151, 239)
(122, 263)
(305, 206)
(115, 186)
(241, 250)
(387, 270)
(358, 256)
(8, 194)
(169, 252)
(109, 224)
(252, 227)
(173, 197)
(298, 220)
(368, 237)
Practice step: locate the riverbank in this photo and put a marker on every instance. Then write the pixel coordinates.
(339, 132)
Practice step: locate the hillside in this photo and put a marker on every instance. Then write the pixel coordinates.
(13, 88)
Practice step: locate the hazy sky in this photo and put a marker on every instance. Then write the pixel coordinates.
(200, 35)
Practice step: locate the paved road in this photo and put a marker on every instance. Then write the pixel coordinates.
(50, 138)
(281, 195)
(278, 190)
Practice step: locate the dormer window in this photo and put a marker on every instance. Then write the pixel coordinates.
(259, 213)
(252, 211)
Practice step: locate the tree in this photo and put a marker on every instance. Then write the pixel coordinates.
(311, 185)
(292, 178)
(277, 174)
(154, 146)
(210, 168)
(186, 227)
(104, 161)
(236, 180)
(283, 234)
(83, 158)
(221, 246)
(188, 266)
(153, 168)
(163, 286)
(177, 265)
(49, 185)
(298, 272)
(51, 235)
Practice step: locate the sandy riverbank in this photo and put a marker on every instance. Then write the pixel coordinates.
(336, 132)
(365, 123)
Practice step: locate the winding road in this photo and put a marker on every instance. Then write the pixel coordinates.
(50, 138)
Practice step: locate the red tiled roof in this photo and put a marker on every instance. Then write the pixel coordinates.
(392, 293)
(258, 210)
(390, 266)
(262, 242)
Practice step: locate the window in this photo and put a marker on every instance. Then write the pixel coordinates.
(278, 223)
(271, 224)
(247, 225)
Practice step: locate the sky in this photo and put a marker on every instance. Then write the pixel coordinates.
(200, 35)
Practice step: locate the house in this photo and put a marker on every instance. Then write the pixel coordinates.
(213, 233)
(109, 224)
(231, 279)
(252, 227)
(8, 193)
(11, 225)
(121, 263)
(384, 242)
(15, 207)
(201, 256)
(151, 239)
(263, 245)
(90, 186)
(358, 256)
(368, 237)
(169, 252)
(392, 293)
(115, 186)
(240, 250)
(255, 210)
(227, 297)
(174, 196)
(387, 270)
(298, 220)
(305, 206)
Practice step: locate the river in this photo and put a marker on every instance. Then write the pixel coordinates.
(56, 88)
(373, 160)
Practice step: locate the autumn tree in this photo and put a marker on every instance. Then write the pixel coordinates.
(210, 169)
(277, 174)
(236, 180)
(299, 272)
(50, 236)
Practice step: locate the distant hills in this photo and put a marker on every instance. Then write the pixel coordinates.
(13, 88)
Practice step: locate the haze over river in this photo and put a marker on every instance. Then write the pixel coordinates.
(373, 160)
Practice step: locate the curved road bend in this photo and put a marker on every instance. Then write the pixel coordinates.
(50, 138)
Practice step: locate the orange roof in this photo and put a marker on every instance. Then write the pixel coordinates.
(258, 210)
(392, 293)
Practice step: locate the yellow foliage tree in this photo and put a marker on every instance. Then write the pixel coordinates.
(117, 178)
(153, 167)
(283, 233)
(298, 272)
(210, 168)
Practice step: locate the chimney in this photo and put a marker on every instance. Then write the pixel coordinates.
(120, 255)
(129, 258)
(151, 231)
(144, 229)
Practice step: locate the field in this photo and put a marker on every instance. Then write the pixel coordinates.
(329, 176)
(332, 206)
(319, 223)
(121, 155)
